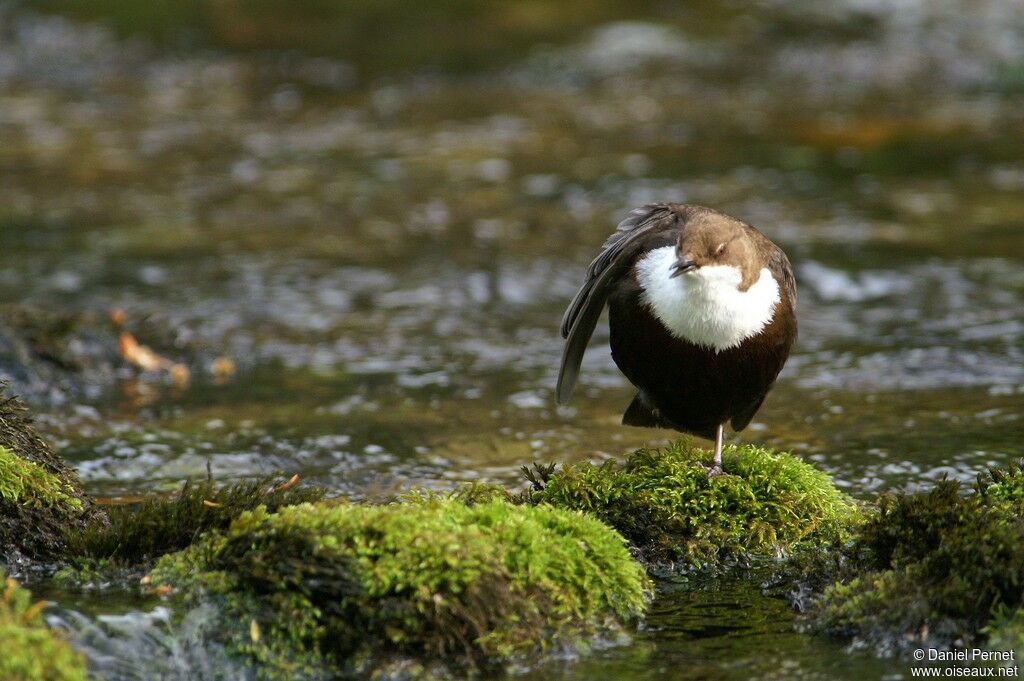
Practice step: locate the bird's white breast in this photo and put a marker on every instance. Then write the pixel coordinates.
(705, 306)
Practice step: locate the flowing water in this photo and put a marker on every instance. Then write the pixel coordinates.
(383, 243)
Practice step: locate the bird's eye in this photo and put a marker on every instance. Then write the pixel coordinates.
(720, 250)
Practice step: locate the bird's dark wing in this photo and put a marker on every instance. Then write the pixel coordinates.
(744, 416)
(778, 265)
(657, 222)
(641, 414)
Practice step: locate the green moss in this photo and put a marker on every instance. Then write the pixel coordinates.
(436, 579)
(667, 506)
(140, 532)
(31, 651)
(932, 568)
(28, 483)
(1004, 485)
(479, 493)
(1006, 630)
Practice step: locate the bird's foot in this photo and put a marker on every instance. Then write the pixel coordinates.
(714, 470)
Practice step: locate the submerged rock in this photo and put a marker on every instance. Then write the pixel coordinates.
(31, 651)
(350, 588)
(41, 500)
(937, 569)
(51, 357)
(769, 504)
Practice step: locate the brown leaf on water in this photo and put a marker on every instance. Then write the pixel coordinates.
(117, 317)
(146, 359)
(222, 368)
(140, 355)
(180, 374)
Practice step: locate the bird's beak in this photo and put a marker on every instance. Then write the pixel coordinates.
(680, 266)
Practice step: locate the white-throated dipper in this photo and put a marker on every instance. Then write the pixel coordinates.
(701, 310)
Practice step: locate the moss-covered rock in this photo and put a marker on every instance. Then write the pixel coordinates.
(41, 500)
(351, 587)
(29, 484)
(933, 569)
(665, 504)
(30, 650)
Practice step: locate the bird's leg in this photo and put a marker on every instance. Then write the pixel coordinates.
(719, 436)
(716, 465)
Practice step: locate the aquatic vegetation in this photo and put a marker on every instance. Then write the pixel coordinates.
(665, 504)
(352, 586)
(31, 651)
(933, 568)
(140, 532)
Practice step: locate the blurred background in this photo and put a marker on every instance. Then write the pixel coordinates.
(336, 238)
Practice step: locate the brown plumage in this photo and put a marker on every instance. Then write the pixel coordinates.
(692, 374)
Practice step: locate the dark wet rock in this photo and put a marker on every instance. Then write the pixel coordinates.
(41, 499)
(50, 357)
(54, 358)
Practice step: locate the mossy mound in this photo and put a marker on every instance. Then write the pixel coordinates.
(665, 504)
(30, 650)
(40, 496)
(347, 588)
(933, 569)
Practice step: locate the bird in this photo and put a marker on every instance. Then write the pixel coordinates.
(701, 316)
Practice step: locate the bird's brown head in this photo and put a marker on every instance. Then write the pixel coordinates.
(714, 239)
